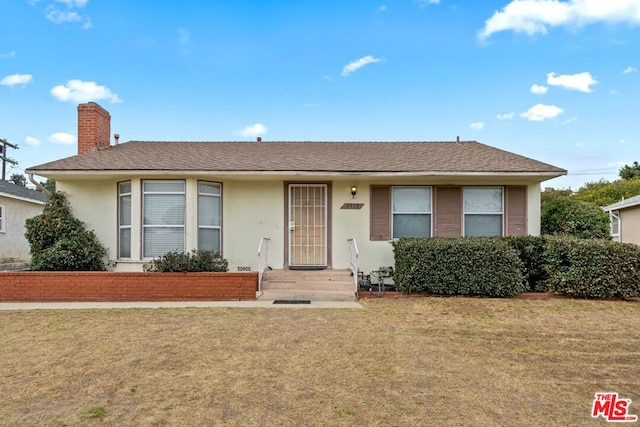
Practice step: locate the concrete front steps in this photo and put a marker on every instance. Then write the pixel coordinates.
(313, 285)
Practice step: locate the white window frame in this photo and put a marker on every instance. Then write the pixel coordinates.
(210, 227)
(149, 226)
(122, 227)
(3, 219)
(428, 213)
(615, 234)
(464, 207)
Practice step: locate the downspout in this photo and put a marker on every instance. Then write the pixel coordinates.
(39, 186)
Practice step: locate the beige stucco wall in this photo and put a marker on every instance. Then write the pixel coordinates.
(255, 208)
(13, 244)
(630, 225)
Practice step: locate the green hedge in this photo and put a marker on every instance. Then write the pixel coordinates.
(592, 268)
(194, 261)
(530, 250)
(477, 266)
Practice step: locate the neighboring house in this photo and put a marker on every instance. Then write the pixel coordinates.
(17, 204)
(625, 220)
(144, 199)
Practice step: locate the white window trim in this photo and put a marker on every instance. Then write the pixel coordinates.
(144, 226)
(120, 226)
(210, 227)
(3, 219)
(464, 212)
(430, 213)
(615, 214)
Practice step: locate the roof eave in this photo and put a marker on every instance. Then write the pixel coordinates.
(618, 206)
(546, 174)
(24, 199)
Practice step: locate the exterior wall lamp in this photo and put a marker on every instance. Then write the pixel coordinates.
(354, 190)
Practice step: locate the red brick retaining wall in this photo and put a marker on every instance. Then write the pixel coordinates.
(25, 286)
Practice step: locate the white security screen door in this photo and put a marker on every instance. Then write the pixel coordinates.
(307, 225)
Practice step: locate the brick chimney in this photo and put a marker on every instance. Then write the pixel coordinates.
(94, 128)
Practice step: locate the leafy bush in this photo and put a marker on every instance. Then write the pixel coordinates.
(574, 218)
(592, 268)
(61, 242)
(194, 261)
(460, 266)
(530, 250)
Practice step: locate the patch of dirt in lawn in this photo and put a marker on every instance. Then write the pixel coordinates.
(431, 361)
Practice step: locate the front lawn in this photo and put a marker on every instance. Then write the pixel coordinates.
(407, 362)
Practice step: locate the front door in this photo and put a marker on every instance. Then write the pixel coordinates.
(307, 225)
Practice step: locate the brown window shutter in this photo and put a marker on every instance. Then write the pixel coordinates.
(380, 213)
(516, 210)
(448, 212)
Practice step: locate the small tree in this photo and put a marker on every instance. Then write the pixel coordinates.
(61, 242)
(604, 193)
(18, 179)
(575, 218)
(553, 193)
(630, 172)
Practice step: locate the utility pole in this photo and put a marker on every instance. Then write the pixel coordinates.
(3, 155)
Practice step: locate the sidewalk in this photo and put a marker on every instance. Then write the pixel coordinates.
(169, 304)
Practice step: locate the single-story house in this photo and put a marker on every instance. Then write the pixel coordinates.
(311, 200)
(17, 204)
(625, 220)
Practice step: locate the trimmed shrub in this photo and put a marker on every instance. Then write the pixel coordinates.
(479, 266)
(530, 250)
(194, 261)
(61, 242)
(592, 268)
(575, 218)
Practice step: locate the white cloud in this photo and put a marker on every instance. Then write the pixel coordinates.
(30, 140)
(630, 70)
(11, 54)
(359, 63)
(477, 125)
(536, 16)
(62, 138)
(538, 89)
(570, 120)
(382, 8)
(507, 116)
(581, 82)
(613, 92)
(622, 141)
(80, 91)
(74, 3)
(541, 112)
(16, 79)
(59, 17)
(425, 3)
(256, 129)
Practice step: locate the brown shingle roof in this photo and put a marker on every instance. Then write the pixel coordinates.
(364, 157)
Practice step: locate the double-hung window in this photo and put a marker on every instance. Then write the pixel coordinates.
(2, 219)
(124, 219)
(483, 211)
(163, 225)
(209, 217)
(411, 212)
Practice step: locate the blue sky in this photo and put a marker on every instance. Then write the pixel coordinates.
(554, 80)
